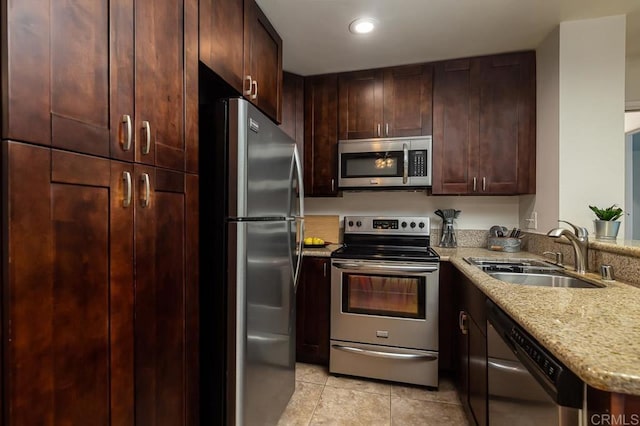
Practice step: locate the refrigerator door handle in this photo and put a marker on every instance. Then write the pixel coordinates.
(300, 216)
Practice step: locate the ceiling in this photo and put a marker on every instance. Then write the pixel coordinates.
(317, 39)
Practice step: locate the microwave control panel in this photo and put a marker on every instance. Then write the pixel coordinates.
(418, 163)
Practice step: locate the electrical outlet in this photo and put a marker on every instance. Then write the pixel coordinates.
(532, 222)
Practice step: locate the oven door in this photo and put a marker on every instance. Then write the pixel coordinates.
(385, 303)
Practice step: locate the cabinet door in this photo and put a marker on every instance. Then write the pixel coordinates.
(360, 95)
(408, 101)
(164, 345)
(69, 75)
(68, 305)
(320, 135)
(455, 132)
(159, 83)
(221, 39)
(262, 61)
(293, 108)
(506, 158)
(312, 315)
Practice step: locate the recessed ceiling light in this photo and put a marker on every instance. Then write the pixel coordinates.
(362, 25)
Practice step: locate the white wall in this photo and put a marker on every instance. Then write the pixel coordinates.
(592, 93)
(547, 198)
(477, 212)
(632, 120)
(632, 87)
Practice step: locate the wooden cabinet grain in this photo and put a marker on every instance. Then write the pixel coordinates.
(472, 349)
(262, 61)
(77, 72)
(83, 259)
(293, 108)
(312, 311)
(320, 135)
(389, 102)
(484, 125)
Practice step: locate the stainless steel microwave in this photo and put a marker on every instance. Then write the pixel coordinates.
(385, 163)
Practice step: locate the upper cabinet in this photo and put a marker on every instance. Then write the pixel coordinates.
(77, 71)
(390, 102)
(262, 62)
(484, 125)
(222, 39)
(321, 135)
(241, 46)
(293, 108)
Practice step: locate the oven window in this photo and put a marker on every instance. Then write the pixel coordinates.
(372, 164)
(387, 295)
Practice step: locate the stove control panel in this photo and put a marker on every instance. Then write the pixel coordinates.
(414, 225)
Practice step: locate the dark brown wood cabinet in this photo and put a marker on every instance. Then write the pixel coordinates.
(312, 311)
(240, 45)
(293, 108)
(484, 125)
(389, 102)
(85, 256)
(262, 62)
(222, 39)
(76, 72)
(472, 349)
(321, 135)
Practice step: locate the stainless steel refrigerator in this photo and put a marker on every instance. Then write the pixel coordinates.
(257, 195)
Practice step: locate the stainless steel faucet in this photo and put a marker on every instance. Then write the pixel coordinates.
(579, 239)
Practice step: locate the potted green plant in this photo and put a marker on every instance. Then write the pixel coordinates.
(606, 225)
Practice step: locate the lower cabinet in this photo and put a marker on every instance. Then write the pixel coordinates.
(99, 291)
(471, 345)
(312, 311)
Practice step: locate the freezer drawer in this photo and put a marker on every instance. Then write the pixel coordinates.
(384, 362)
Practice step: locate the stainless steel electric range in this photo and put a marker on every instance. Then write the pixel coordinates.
(384, 301)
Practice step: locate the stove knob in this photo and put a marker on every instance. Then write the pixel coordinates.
(413, 224)
(358, 223)
(421, 225)
(404, 224)
(350, 223)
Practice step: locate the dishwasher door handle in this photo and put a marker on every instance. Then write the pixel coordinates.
(381, 354)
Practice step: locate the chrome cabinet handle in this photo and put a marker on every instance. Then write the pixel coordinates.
(462, 319)
(405, 156)
(386, 129)
(250, 80)
(146, 148)
(333, 185)
(381, 354)
(324, 269)
(379, 131)
(475, 184)
(484, 184)
(255, 92)
(125, 120)
(126, 178)
(146, 193)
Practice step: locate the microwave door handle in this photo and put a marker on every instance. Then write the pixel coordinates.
(405, 172)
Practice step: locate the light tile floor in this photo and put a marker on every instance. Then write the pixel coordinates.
(321, 399)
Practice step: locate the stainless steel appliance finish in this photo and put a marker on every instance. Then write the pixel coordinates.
(384, 301)
(526, 384)
(263, 195)
(393, 162)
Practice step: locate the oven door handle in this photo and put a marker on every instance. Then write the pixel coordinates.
(386, 268)
(380, 354)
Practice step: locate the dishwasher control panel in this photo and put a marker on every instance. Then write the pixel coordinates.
(548, 366)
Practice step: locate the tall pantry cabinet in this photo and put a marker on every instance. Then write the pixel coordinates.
(99, 212)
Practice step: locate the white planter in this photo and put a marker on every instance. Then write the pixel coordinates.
(606, 229)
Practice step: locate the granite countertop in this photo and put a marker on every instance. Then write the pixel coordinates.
(595, 332)
(321, 252)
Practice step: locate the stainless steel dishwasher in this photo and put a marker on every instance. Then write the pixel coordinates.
(526, 384)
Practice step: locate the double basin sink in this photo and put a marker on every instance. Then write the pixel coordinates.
(528, 272)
